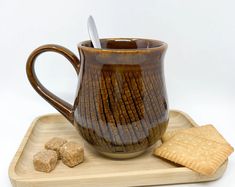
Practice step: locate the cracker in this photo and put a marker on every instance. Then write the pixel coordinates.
(206, 131)
(199, 154)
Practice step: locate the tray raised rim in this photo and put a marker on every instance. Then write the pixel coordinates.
(15, 177)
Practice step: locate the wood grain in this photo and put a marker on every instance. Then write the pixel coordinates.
(96, 169)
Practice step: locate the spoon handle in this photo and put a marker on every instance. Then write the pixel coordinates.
(93, 32)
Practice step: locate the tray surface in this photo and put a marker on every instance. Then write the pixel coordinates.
(96, 169)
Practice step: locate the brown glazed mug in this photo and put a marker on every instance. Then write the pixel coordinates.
(121, 105)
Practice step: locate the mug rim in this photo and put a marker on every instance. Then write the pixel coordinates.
(162, 46)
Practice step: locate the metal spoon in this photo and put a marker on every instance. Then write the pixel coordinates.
(93, 32)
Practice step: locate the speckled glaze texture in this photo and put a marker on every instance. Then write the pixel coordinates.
(121, 104)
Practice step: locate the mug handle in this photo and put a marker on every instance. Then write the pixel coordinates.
(62, 106)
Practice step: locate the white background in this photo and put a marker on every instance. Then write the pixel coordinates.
(199, 63)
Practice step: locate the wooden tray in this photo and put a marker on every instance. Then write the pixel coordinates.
(96, 169)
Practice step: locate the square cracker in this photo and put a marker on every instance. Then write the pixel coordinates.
(199, 154)
(206, 131)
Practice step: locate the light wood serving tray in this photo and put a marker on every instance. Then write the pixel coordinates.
(97, 170)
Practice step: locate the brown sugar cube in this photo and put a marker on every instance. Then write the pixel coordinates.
(55, 144)
(72, 154)
(45, 160)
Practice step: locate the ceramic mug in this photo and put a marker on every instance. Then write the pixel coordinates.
(121, 105)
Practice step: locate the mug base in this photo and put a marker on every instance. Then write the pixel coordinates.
(122, 155)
